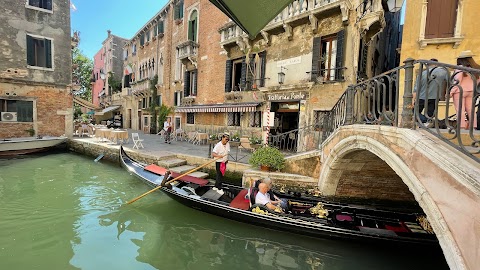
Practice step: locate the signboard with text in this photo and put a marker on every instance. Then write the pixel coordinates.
(285, 96)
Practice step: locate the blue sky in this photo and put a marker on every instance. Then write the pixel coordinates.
(94, 17)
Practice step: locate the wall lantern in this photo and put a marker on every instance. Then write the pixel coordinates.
(395, 5)
(281, 75)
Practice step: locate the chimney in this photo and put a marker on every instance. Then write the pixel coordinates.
(109, 33)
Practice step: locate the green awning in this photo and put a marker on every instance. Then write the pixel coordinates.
(251, 15)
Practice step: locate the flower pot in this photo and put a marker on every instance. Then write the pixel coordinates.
(234, 144)
(255, 145)
(264, 168)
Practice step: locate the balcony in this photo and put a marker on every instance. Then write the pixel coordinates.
(370, 18)
(141, 89)
(297, 13)
(187, 52)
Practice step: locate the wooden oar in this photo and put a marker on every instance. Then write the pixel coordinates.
(176, 178)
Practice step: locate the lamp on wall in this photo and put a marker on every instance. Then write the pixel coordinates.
(395, 5)
(281, 75)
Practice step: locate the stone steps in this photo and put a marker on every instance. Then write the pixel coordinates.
(170, 163)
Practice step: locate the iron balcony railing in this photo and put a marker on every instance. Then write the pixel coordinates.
(447, 107)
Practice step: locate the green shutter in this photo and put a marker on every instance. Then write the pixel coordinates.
(176, 12)
(190, 30)
(160, 27)
(339, 57)
(228, 76)
(243, 78)
(30, 51)
(263, 64)
(317, 43)
(48, 53)
(142, 39)
(186, 84)
(194, 86)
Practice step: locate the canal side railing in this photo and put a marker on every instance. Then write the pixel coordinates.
(377, 102)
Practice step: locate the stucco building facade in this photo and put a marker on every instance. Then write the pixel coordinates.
(35, 69)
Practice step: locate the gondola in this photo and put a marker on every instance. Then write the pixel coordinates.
(310, 218)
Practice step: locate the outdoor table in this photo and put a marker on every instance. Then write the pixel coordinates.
(202, 137)
(119, 135)
(102, 134)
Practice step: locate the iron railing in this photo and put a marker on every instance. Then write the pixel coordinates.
(297, 140)
(376, 101)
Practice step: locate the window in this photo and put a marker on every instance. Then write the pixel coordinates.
(239, 76)
(190, 118)
(441, 18)
(43, 4)
(159, 100)
(192, 26)
(233, 119)
(327, 57)
(147, 36)
(142, 39)
(39, 52)
(178, 11)
(22, 108)
(190, 83)
(160, 27)
(177, 98)
(144, 103)
(255, 119)
(179, 67)
(134, 48)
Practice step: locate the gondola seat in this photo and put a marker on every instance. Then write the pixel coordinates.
(240, 201)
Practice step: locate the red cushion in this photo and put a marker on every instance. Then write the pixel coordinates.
(187, 178)
(240, 202)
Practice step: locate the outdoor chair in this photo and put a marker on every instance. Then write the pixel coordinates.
(179, 134)
(137, 142)
(85, 130)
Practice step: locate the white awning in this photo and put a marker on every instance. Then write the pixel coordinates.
(108, 109)
(225, 107)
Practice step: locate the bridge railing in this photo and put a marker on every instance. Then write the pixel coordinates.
(430, 101)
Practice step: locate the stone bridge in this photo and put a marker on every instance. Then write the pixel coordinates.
(374, 161)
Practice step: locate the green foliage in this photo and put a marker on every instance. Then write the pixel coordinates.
(154, 104)
(267, 156)
(114, 84)
(235, 137)
(213, 136)
(82, 69)
(255, 140)
(163, 112)
(77, 112)
(30, 131)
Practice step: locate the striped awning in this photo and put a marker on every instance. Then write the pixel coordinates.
(225, 107)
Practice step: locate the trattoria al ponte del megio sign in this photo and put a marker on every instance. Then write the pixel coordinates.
(251, 15)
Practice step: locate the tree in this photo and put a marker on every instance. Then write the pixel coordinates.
(82, 69)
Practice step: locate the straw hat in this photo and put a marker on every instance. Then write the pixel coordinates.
(466, 54)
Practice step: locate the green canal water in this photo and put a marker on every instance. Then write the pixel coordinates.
(64, 211)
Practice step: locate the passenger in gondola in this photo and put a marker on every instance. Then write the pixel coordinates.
(263, 198)
(283, 203)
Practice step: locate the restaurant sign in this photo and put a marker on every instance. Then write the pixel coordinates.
(299, 95)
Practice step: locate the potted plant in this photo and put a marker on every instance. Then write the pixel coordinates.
(235, 140)
(255, 142)
(213, 138)
(267, 158)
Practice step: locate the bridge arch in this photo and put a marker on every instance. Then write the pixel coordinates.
(427, 169)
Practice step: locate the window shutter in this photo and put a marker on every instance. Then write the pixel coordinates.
(175, 98)
(127, 81)
(190, 30)
(317, 43)
(250, 78)
(142, 40)
(160, 27)
(30, 51)
(176, 13)
(24, 111)
(186, 84)
(194, 86)
(340, 53)
(48, 53)
(263, 63)
(47, 4)
(228, 76)
(441, 18)
(243, 78)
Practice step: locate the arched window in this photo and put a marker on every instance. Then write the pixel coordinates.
(192, 26)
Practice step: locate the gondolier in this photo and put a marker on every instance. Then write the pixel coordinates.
(221, 150)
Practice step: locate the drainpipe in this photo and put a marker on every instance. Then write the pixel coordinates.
(407, 112)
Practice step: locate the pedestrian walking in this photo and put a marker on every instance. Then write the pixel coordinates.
(167, 127)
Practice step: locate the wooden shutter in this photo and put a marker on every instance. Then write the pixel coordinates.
(194, 86)
(190, 30)
(228, 76)
(339, 57)
(30, 51)
(48, 53)
(175, 98)
(243, 77)
(176, 13)
(441, 18)
(250, 78)
(186, 84)
(317, 43)
(263, 64)
(142, 39)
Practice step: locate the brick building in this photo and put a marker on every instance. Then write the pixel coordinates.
(217, 79)
(35, 69)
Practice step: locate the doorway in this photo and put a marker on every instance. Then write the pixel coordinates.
(285, 127)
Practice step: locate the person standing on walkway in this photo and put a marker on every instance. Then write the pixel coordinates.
(429, 86)
(464, 81)
(221, 151)
(167, 127)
